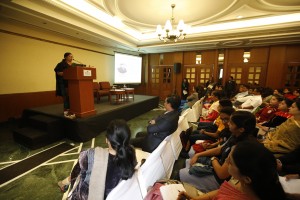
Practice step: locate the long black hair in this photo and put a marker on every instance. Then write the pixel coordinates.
(259, 164)
(246, 120)
(118, 134)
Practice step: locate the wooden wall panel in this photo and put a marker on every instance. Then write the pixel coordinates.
(208, 57)
(275, 69)
(168, 59)
(235, 56)
(189, 58)
(293, 53)
(259, 55)
(12, 105)
(153, 59)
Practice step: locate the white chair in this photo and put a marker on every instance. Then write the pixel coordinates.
(127, 189)
(167, 156)
(197, 108)
(176, 144)
(190, 115)
(152, 170)
(140, 155)
(183, 124)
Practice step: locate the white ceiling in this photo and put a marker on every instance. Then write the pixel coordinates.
(140, 18)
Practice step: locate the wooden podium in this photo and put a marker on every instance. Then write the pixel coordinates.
(80, 87)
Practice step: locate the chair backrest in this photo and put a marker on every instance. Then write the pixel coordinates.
(197, 108)
(96, 86)
(167, 156)
(183, 122)
(176, 144)
(126, 189)
(190, 116)
(104, 85)
(152, 170)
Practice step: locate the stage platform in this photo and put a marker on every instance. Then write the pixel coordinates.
(84, 129)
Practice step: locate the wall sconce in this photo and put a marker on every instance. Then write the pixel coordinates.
(246, 56)
(198, 58)
(221, 58)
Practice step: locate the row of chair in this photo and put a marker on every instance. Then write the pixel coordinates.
(101, 89)
(158, 165)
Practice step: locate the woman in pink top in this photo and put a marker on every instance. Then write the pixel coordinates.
(253, 168)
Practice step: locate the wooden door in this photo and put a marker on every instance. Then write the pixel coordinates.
(161, 81)
(198, 74)
(155, 80)
(167, 81)
(248, 73)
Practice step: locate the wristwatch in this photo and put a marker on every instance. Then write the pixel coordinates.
(212, 158)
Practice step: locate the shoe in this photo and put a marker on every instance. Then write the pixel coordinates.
(63, 188)
(68, 115)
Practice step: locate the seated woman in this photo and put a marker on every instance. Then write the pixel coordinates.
(254, 169)
(204, 170)
(98, 170)
(286, 137)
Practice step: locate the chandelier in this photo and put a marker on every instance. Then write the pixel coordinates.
(169, 33)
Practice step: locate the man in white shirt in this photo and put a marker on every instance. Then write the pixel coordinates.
(253, 101)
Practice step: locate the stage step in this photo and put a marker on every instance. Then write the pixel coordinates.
(40, 130)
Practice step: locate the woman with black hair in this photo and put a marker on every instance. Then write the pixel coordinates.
(185, 88)
(99, 170)
(253, 168)
(62, 84)
(207, 170)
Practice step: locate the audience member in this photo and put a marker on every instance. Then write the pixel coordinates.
(280, 116)
(286, 137)
(221, 134)
(98, 171)
(268, 112)
(210, 130)
(208, 169)
(160, 127)
(266, 95)
(212, 113)
(252, 102)
(194, 97)
(253, 169)
(287, 93)
(243, 91)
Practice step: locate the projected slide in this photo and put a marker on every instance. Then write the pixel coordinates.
(128, 69)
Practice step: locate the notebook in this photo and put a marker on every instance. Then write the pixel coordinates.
(170, 192)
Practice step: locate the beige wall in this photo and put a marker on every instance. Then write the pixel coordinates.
(28, 57)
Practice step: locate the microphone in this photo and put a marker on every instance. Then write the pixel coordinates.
(81, 64)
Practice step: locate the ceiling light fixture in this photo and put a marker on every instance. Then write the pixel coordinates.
(169, 33)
